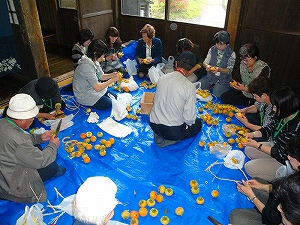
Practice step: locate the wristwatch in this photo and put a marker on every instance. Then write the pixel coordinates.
(259, 147)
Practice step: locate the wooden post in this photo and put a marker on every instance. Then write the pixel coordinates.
(32, 38)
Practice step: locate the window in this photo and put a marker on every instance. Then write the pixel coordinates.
(67, 4)
(12, 12)
(203, 12)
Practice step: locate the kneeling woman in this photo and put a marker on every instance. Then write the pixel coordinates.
(87, 86)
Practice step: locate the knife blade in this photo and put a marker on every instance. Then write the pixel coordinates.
(214, 221)
(58, 128)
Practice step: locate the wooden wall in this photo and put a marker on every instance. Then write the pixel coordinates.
(274, 27)
(96, 15)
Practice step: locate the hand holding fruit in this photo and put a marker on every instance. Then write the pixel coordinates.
(147, 60)
(242, 118)
(115, 76)
(214, 69)
(50, 116)
(120, 54)
(47, 135)
(240, 87)
(55, 140)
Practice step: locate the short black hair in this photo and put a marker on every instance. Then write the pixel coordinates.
(186, 60)
(293, 147)
(184, 44)
(249, 50)
(287, 192)
(260, 85)
(85, 35)
(286, 100)
(96, 49)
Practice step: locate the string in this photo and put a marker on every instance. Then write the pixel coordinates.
(279, 126)
(226, 179)
(45, 103)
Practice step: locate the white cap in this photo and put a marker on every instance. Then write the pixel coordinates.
(22, 106)
(96, 196)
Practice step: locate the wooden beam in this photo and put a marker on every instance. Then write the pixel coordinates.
(32, 37)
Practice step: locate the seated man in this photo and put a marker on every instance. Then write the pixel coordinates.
(46, 94)
(173, 116)
(23, 166)
(95, 202)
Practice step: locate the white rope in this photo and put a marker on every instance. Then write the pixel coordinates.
(226, 179)
(71, 103)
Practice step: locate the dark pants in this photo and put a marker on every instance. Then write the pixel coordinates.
(235, 97)
(104, 102)
(143, 68)
(49, 171)
(177, 132)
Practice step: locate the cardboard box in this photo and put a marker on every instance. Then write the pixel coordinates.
(146, 102)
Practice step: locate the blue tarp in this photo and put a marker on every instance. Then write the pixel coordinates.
(138, 166)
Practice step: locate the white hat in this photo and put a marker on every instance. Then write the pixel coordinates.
(22, 106)
(96, 196)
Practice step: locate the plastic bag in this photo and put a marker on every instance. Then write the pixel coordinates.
(32, 215)
(285, 170)
(118, 107)
(234, 159)
(132, 85)
(156, 72)
(131, 66)
(220, 150)
(170, 62)
(66, 122)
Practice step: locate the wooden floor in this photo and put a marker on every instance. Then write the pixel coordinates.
(61, 69)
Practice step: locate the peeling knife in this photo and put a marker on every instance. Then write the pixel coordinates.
(214, 221)
(58, 128)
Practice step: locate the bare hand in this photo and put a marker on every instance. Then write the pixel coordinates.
(115, 76)
(113, 57)
(245, 189)
(46, 135)
(50, 116)
(188, 73)
(243, 119)
(255, 184)
(55, 140)
(240, 87)
(252, 143)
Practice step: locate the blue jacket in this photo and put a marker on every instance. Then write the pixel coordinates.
(156, 50)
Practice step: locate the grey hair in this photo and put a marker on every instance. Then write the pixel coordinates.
(97, 220)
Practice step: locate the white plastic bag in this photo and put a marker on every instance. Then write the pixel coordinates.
(170, 62)
(234, 159)
(131, 66)
(32, 215)
(119, 110)
(156, 72)
(66, 122)
(132, 85)
(285, 170)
